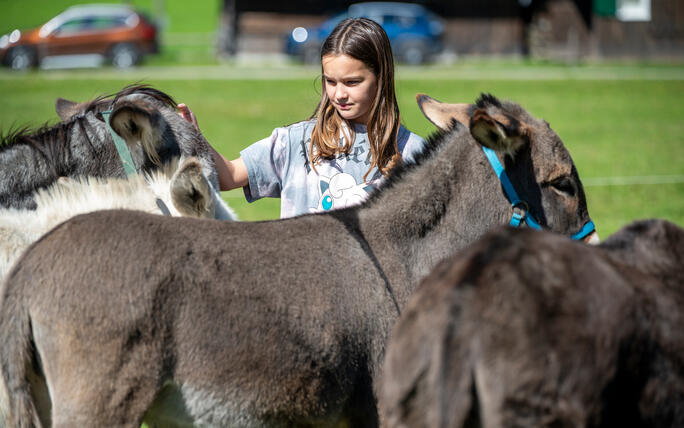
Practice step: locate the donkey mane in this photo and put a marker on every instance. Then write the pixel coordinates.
(96, 191)
(432, 145)
(50, 140)
(52, 132)
(436, 140)
(512, 109)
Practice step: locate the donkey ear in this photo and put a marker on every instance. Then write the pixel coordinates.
(190, 190)
(498, 132)
(66, 109)
(441, 114)
(138, 125)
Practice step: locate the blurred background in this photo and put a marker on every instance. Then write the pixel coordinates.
(208, 31)
(607, 74)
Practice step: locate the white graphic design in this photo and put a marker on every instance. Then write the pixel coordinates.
(339, 191)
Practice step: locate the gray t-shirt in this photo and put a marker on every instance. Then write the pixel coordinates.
(279, 166)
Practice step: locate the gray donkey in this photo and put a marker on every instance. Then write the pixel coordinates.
(116, 318)
(82, 145)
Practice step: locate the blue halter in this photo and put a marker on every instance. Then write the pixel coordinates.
(522, 213)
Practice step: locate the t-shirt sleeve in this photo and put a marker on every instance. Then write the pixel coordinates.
(266, 160)
(411, 147)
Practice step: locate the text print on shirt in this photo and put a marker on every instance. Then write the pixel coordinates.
(355, 156)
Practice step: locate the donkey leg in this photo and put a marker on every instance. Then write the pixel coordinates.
(110, 383)
(98, 401)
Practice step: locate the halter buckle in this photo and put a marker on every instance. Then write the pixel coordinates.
(520, 209)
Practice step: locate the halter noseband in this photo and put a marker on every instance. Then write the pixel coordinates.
(521, 210)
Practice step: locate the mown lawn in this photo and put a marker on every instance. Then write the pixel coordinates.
(613, 128)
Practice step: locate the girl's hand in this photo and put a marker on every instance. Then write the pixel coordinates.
(230, 174)
(187, 114)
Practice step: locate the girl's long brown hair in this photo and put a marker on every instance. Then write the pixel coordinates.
(366, 41)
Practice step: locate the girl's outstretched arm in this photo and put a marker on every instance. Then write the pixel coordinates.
(231, 174)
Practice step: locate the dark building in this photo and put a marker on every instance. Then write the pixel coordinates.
(620, 29)
(566, 30)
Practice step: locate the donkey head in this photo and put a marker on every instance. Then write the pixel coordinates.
(193, 196)
(138, 122)
(147, 121)
(534, 158)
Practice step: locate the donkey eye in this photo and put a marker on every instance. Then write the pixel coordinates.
(564, 185)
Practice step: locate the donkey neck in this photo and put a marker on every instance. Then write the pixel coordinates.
(33, 161)
(437, 207)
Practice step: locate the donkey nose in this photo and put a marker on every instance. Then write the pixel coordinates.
(592, 239)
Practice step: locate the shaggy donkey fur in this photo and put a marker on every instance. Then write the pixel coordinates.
(278, 323)
(531, 329)
(81, 145)
(176, 189)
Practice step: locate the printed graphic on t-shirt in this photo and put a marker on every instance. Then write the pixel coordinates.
(340, 191)
(356, 156)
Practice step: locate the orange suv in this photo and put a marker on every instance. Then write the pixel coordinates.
(113, 33)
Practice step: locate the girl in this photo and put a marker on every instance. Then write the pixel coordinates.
(352, 140)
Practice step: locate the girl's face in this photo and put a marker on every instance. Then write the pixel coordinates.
(350, 85)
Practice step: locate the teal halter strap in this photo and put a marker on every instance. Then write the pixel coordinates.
(520, 208)
(121, 147)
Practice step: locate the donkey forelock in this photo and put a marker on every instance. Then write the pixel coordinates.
(486, 100)
(156, 94)
(104, 102)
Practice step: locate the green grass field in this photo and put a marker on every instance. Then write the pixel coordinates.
(616, 129)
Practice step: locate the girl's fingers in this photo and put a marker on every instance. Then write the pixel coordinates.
(187, 114)
(183, 111)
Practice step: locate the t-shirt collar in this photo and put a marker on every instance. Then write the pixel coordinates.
(358, 127)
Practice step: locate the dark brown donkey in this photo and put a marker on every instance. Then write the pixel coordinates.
(531, 329)
(133, 317)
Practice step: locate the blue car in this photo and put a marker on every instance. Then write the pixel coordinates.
(414, 32)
